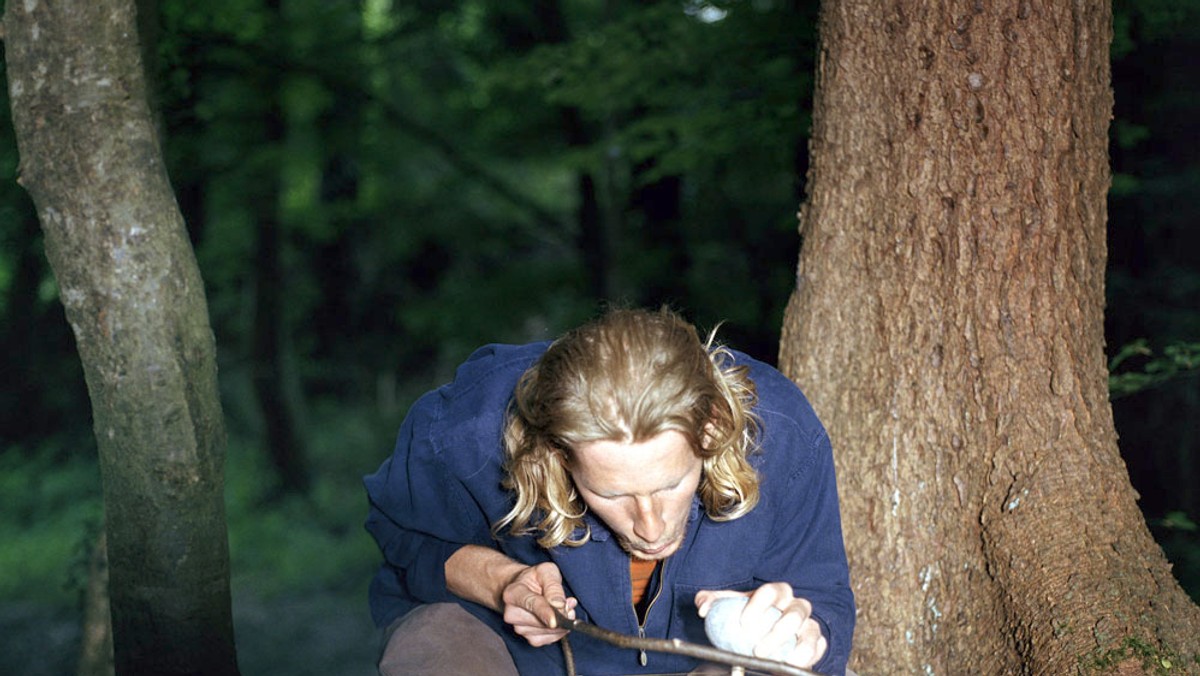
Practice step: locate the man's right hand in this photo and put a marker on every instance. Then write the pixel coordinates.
(525, 595)
(530, 599)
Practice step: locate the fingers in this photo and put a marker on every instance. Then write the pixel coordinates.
(530, 601)
(760, 599)
(796, 637)
(792, 635)
(526, 617)
(810, 645)
(773, 594)
(705, 597)
(759, 617)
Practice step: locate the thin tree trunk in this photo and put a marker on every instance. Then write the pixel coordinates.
(594, 245)
(947, 323)
(96, 646)
(656, 209)
(548, 25)
(271, 361)
(273, 378)
(134, 298)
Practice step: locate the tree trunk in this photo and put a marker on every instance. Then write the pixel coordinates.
(947, 323)
(653, 221)
(95, 643)
(270, 349)
(547, 24)
(134, 298)
(270, 344)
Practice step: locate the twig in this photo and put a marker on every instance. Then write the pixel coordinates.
(568, 655)
(674, 646)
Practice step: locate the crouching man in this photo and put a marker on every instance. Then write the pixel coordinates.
(626, 474)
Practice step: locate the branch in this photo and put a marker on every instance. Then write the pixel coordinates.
(676, 647)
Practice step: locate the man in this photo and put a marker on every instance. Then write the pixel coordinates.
(627, 474)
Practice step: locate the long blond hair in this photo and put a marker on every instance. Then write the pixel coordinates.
(628, 376)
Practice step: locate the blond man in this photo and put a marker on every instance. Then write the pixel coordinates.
(627, 474)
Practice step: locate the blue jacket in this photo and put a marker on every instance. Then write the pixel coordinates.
(440, 489)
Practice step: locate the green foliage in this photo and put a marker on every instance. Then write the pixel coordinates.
(1176, 521)
(674, 89)
(1177, 360)
(52, 508)
(1139, 22)
(278, 545)
(419, 165)
(291, 544)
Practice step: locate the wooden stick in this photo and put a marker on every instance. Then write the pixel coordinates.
(674, 646)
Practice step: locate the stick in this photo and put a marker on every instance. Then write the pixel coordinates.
(674, 646)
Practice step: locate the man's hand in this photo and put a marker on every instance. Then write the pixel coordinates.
(794, 625)
(529, 603)
(525, 595)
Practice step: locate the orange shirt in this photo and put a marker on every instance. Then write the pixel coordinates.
(640, 573)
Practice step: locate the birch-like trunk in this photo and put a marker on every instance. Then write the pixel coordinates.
(133, 295)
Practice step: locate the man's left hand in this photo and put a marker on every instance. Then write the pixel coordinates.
(795, 624)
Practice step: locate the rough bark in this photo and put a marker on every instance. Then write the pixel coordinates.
(133, 296)
(947, 323)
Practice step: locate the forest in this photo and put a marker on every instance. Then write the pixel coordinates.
(373, 189)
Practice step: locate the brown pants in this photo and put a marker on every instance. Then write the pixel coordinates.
(440, 639)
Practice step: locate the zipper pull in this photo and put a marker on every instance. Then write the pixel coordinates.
(642, 659)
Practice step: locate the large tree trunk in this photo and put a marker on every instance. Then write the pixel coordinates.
(133, 296)
(947, 324)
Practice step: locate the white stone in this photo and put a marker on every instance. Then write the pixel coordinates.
(725, 630)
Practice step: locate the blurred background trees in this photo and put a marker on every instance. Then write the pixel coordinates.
(374, 188)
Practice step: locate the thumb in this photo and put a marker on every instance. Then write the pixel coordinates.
(550, 579)
(705, 598)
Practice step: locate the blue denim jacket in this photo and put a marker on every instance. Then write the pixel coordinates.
(440, 489)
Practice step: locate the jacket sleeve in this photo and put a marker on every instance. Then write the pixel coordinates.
(420, 512)
(808, 551)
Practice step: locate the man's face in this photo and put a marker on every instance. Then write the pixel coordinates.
(643, 492)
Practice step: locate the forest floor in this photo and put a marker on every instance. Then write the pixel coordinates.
(315, 634)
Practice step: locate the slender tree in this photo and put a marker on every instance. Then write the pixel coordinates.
(271, 347)
(133, 295)
(947, 322)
